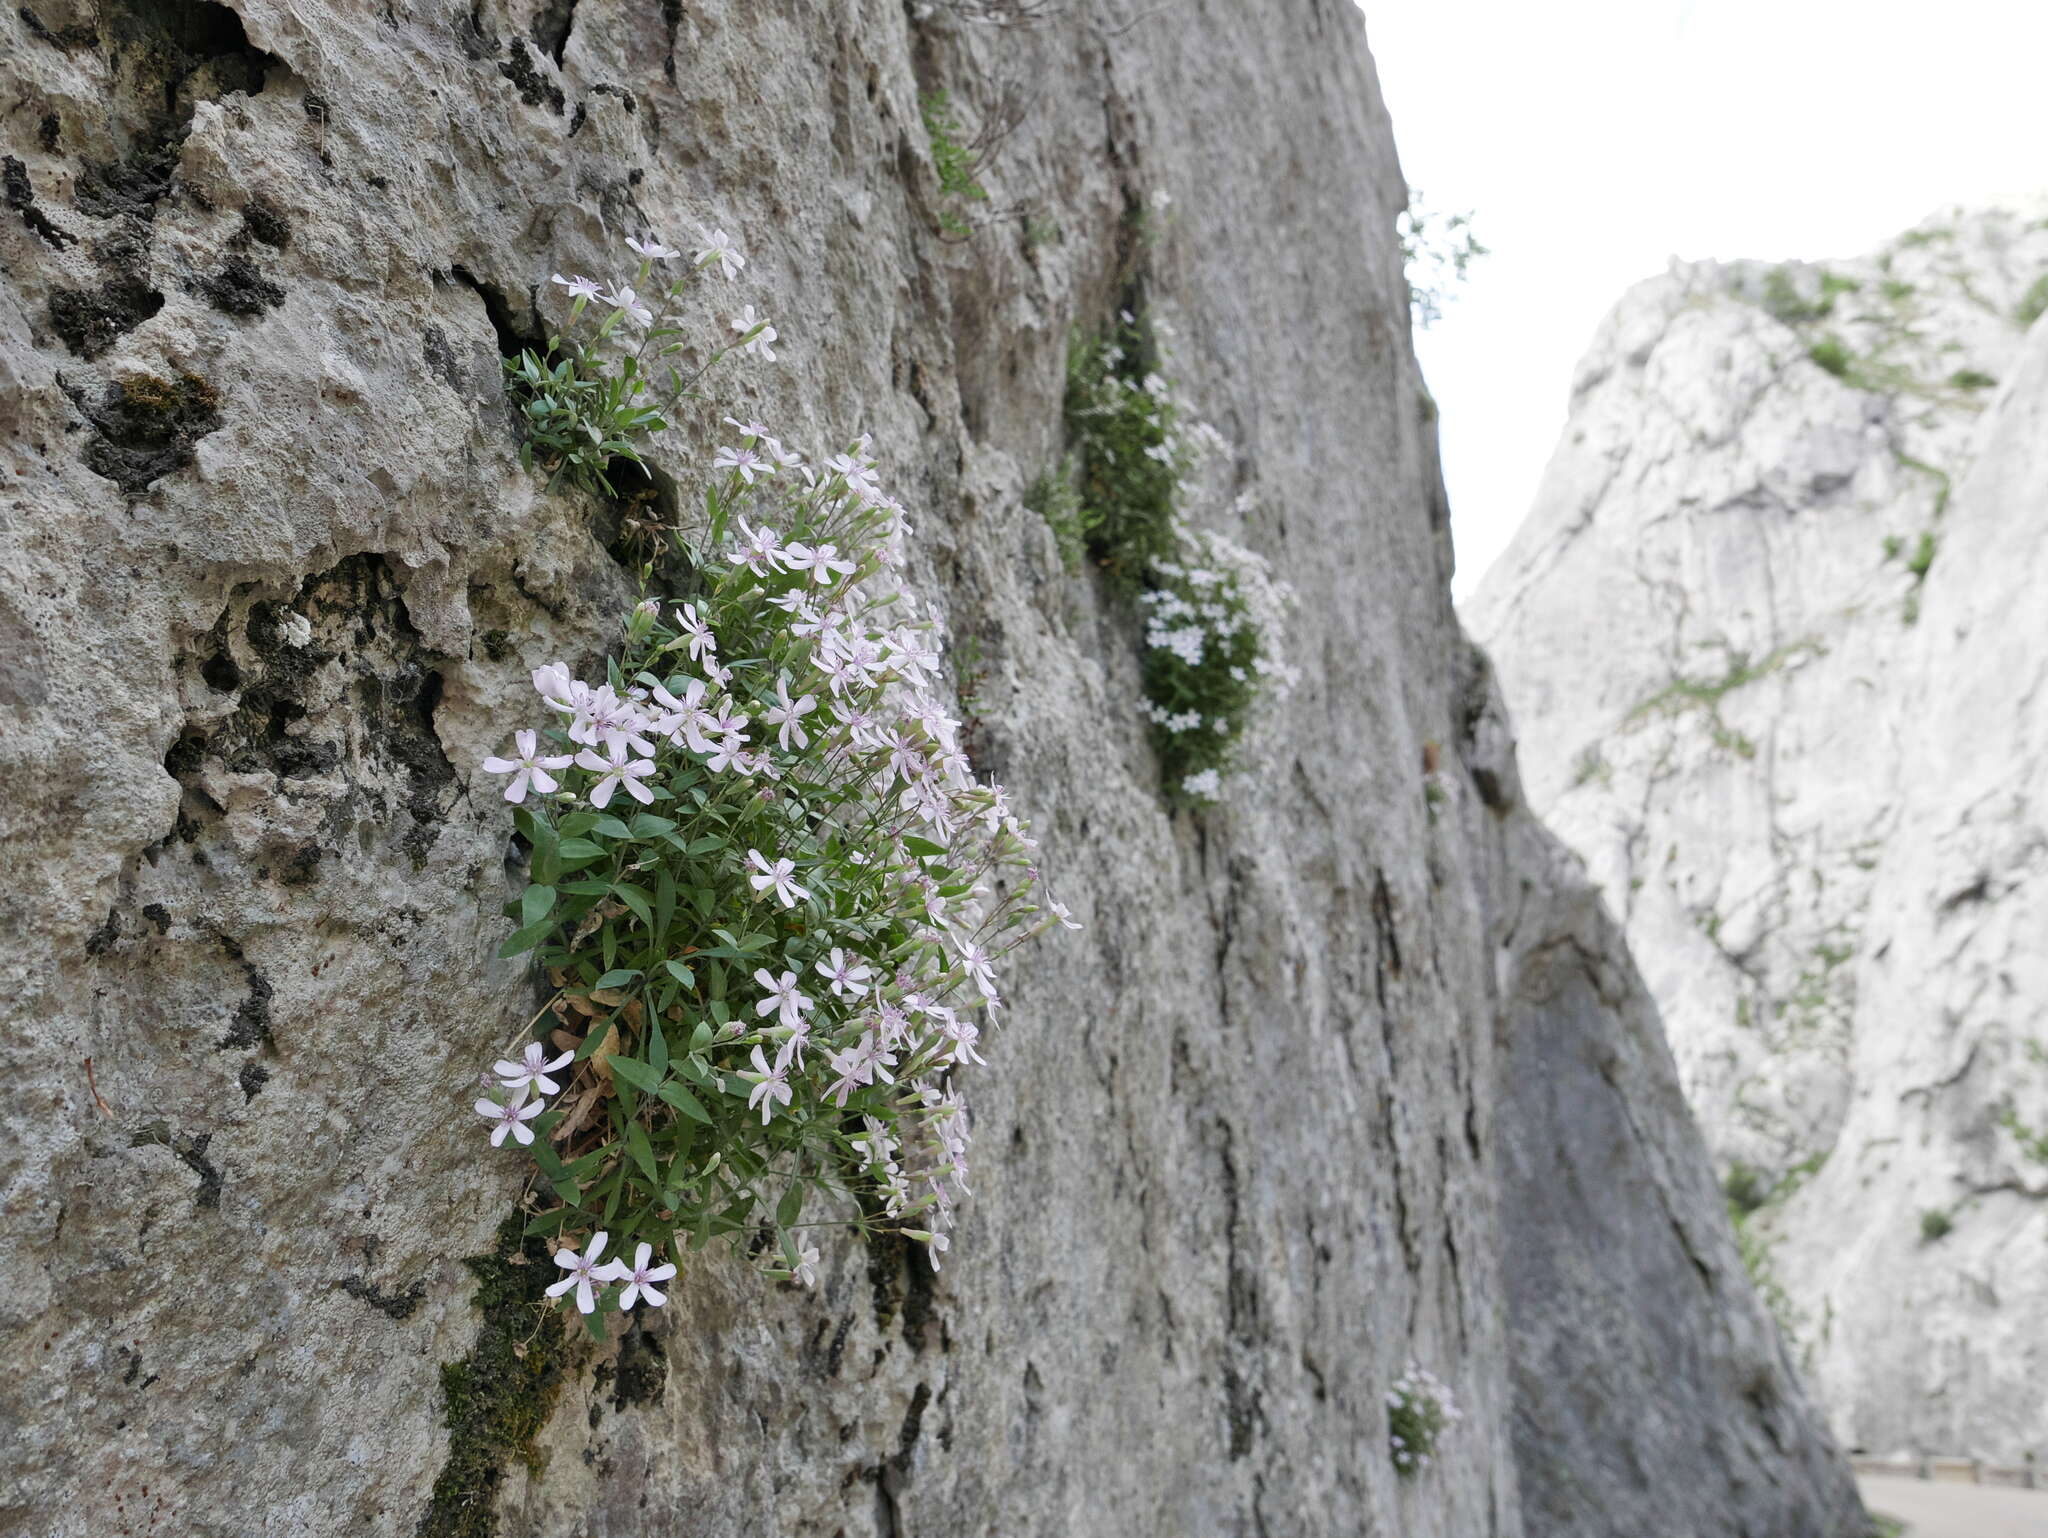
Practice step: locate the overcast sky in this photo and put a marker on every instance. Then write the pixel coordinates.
(1595, 139)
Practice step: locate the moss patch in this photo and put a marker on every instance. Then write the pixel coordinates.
(144, 427)
(501, 1394)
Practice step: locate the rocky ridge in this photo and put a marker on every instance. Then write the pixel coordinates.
(1772, 633)
(271, 581)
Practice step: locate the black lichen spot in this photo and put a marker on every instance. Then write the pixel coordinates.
(77, 35)
(191, 1152)
(500, 1395)
(314, 105)
(144, 427)
(440, 357)
(20, 195)
(102, 939)
(48, 131)
(251, 1024)
(263, 220)
(252, 1078)
(303, 868)
(393, 1305)
(551, 24)
(641, 1376)
(535, 89)
(158, 915)
(90, 320)
(239, 289)
(221, 674)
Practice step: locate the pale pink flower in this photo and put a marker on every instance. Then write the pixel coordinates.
(511, 1118)
(532, 1068)
(616, 771)
(779, 875)
(640, 1278)
(584, 1273)
(529, 768)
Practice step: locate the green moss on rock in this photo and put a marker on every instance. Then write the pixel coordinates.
(501, 1394)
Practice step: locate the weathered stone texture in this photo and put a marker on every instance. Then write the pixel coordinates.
(1775, 636)
(270, 584)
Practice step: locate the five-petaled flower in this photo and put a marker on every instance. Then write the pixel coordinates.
(616, 771)
(755, 332)
(623, 298)
(771, 1087)
(783, 998)
(779, 875)
(529, 768)
(584, 1272)
(718, 247)
(788, 714)
(640, 1278)
(532, 1068)
(511, 1117)
(579, 287)
(848, 975)
(653, 250)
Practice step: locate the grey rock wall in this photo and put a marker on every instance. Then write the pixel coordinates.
(271, 581)
(1773, 637)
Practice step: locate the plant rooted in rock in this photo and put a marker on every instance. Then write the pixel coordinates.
(1420, 1410)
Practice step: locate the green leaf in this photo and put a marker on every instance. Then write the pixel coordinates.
(580, 849)
(922, 846)
(636, 899)
(616, 976)
(681, 973)
(524, 940)
(634, 1072)
(647, 825)
(535, 904)
(684, 1101)
(791, 1205)
(611, 827)
(657, 1048)
(642, 1151)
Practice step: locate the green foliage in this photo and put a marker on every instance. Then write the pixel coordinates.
(1744, 1187)
(1833, 355)
(581, 413)
(1590, 765)
(1125, 434)
(1896, 289)
(1420, 1410)
(1054, 498)
(1935, 1225)
(1833, 283)
(1971, 379)
(660, 931)
(954, 162)
(2032, 1141)
(2034, 303)
(1893, 545)
(498, 1397)
(1923, 555)
(1213, 615)
(1683, 694)
(1437, 251)
(1783, 301)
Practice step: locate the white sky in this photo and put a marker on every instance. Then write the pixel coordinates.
(1595, 139)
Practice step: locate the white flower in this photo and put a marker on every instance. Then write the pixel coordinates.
(1063, 913)
(1206, 786)
(979, 968)
(691, 625)
(788, 714)
(623, 298)
(749, 429)
(532, 1068)
(616, 771)
(755, 332)
(729, 752)
(718, 247)
(825, 562)
(770, 1087)
(807, 1266)
(640, 1277)
(744, 463)
(848, 975)
(511, 1118)
(579, 287)
(783, 998)
(583, 1272)
(554, 685)
(779, 875)
(760, 549)
(528, 768)
(654, 250)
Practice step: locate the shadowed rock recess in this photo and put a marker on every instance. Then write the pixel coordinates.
(1348, 1072)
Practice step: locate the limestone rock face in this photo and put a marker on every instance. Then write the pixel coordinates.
(271, 583)
(1774, 637)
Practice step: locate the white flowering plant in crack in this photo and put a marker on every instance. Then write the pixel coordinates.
(768, 899)
(1420, 1411)
(1215, 617)
(610, 377)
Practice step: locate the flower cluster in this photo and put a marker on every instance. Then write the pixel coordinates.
(1420, 1410)
(1214, 616)
(588, 399)
(767, 893)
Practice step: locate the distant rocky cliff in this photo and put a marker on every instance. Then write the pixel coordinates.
(1345, 1073)
(1776, 641)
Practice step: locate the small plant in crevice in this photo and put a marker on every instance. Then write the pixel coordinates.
(1437, 253)
(954, 161)
(1213, 615)
(1832, 354)
(1420, 1412)
(609, 380)
(2034, 303)
(1935, 1225)
(767, 900)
